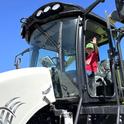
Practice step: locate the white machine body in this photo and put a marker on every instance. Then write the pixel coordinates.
(22, 94)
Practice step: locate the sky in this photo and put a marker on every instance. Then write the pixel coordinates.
(11, 42)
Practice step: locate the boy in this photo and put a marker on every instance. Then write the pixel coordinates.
(92, 57)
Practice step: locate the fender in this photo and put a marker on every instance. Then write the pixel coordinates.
(23, 92)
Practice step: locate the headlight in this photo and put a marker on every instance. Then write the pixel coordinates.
(39, 13)
(56, 6)
(47, 9)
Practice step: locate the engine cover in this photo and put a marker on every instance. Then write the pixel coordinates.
(23, 93)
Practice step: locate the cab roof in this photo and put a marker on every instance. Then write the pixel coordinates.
(39, 17)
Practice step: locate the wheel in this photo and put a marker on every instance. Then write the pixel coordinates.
(43, 116)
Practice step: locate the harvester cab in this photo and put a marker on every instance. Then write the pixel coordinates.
(57, 34)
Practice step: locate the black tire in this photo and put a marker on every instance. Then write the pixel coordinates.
(43, 116)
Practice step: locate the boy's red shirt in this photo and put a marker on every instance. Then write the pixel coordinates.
(93, 65)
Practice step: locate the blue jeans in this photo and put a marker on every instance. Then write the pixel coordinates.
(91, 83)
(90, 73)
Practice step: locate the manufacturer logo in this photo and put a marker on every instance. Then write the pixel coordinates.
(7, 112)
(47, 90)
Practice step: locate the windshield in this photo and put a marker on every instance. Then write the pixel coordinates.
(47, 35)
(54, 47)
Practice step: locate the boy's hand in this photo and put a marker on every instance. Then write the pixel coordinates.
(94, 40)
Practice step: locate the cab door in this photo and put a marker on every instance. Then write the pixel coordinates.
(99, 83)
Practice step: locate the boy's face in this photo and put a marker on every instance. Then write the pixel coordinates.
(89, 50)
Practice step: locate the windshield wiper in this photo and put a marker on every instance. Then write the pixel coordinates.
(52, 41)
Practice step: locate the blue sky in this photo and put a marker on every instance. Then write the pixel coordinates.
(12, 11)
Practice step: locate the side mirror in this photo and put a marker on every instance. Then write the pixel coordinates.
(119, 14)
(120, 8)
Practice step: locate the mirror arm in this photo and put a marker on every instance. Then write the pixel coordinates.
(17, 60)
(92, 6)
